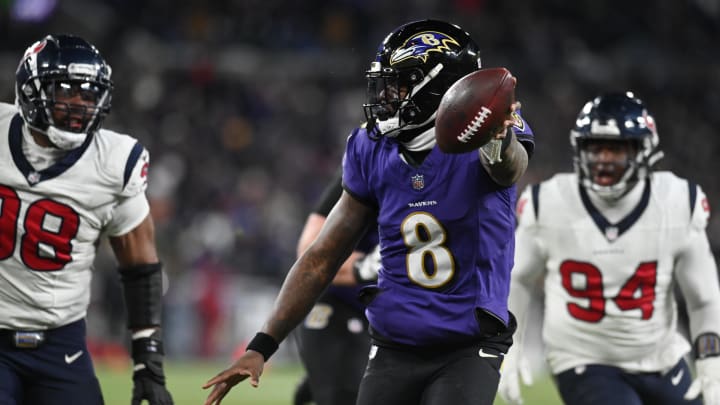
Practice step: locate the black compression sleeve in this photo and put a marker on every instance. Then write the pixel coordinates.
(143, 294)
(330, 195)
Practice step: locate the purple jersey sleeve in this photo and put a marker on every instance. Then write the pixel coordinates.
(523, 132)
(354, 179)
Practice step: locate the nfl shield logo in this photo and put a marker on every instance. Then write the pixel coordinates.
(611, 233)
(418, 182)
(33, 177)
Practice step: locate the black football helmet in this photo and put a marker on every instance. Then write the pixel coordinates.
(63, 63)
(418, 61)
(618, 117)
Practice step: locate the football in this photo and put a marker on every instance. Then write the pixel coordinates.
(473, 108)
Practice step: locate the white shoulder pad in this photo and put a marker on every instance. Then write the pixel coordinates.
(124, 160)
(684, 200)
(7, 111)
(136, 172)
(553, 192)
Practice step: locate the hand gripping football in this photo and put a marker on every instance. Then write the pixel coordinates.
(473, 109)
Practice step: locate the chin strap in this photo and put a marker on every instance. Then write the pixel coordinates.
(65, 140)
(391, 127)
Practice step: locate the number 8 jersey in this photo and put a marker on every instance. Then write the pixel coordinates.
(51, 221)
(446, 233)
(609, 269)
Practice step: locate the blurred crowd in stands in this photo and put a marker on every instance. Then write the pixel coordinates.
(245, 106)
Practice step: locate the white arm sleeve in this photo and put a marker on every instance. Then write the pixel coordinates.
(697, 275)
(529, 269)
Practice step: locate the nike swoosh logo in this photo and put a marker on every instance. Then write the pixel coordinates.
(373, 352)
(481, 353)
(71, 359)
(675, 380)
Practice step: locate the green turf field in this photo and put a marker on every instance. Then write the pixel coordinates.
(276, 386)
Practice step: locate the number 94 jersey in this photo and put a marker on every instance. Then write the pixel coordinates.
(608, 269)
(52, 219)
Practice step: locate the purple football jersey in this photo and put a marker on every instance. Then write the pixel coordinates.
(447, 237)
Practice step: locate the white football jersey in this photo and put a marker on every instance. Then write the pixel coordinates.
(608, 278)
(52, 219)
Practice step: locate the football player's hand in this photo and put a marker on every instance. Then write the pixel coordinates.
(509, 122)
(149, 384)
(366, 268)
(515, 369)
(250, 364)
(707, 381)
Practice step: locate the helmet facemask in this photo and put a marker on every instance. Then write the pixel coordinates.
(609, 178)
(392, 98)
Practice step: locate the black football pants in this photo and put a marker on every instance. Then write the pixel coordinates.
(451, 374)
(465, 376)
(334, 349)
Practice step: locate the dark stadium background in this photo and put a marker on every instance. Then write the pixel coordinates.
(245, 106)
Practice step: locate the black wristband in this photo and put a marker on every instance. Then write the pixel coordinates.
(263, 344)
(707, 345)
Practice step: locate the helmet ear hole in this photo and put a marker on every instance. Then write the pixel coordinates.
(408, 114)
(413, 77)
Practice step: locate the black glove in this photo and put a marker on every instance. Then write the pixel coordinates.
(148, 375)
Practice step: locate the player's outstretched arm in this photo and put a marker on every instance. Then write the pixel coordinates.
(141, 275)
(305, 282)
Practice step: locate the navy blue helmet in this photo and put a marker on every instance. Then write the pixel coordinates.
(63, 63)
(619, 117)
(418, 61)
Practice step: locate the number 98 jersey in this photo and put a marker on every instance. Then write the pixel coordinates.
(51, 221)
(608, 269)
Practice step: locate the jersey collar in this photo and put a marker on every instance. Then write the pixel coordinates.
(33, 176)
(610, 230)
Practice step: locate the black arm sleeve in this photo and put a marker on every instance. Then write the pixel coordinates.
(143, 294)
(330, 195)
